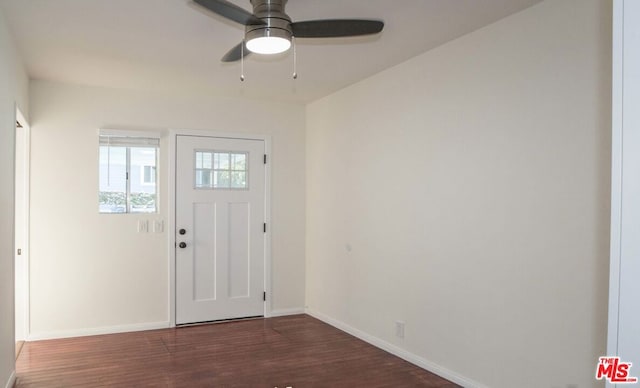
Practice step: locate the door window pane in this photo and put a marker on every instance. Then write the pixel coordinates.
(239, 162)
(221, 170)
(238, 180)
(223, 161)
(221, 179)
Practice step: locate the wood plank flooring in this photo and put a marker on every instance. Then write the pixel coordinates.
(296, 351)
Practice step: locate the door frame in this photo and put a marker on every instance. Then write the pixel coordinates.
(25, 222)
(623, 158)
(171, 194)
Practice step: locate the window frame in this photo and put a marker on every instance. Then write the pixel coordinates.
(129, 140)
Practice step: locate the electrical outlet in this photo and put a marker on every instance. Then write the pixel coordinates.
(400, 329)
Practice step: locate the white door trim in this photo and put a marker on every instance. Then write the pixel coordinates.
(616, 177)
(173, 135)
(623, 296)
(26, 188)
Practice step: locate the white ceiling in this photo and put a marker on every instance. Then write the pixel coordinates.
(174, 45)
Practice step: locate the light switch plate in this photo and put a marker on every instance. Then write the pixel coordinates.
(143, 226)
(158, 226)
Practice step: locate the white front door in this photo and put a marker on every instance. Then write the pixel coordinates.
(220, 215)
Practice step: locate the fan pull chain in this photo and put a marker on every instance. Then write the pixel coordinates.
(242, 62)
(295, 58)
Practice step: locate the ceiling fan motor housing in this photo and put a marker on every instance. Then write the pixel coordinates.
(278, 23)
(269, 30)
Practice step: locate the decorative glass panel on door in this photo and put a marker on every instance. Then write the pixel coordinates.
(221, 170)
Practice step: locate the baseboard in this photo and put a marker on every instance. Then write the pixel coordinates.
(12, 380)
(98, 331)
(285, 312)
(399, 352)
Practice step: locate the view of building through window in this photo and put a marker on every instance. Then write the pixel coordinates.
(128, 178)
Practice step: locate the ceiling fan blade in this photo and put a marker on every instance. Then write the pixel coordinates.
(230, 11)
(335, 28)
(235, 54)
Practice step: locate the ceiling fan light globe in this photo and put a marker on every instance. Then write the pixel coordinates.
(268, 45)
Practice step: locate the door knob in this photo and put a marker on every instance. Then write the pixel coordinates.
(182, 231)
(182, 245)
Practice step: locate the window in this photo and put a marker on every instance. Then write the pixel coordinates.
(128, 173)
(222, 170)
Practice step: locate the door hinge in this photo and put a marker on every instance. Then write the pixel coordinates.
(19, 251)
(265, 158)
(264, 296)
(264, 227)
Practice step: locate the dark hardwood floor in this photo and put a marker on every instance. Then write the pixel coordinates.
(296, 351)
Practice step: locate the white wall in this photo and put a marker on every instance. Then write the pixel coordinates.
(92, 271)
(472, 185)
(13, 90)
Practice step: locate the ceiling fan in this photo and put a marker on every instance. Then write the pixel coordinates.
(269, 30)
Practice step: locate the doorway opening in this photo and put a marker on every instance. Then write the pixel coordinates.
(21, 253)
